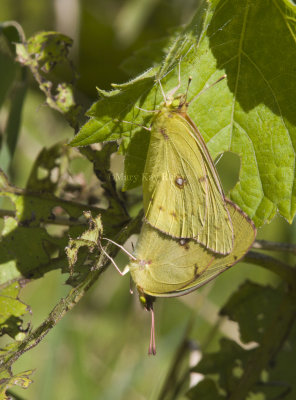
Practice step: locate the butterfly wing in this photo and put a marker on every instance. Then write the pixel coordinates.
(182, 193)
(169, 267)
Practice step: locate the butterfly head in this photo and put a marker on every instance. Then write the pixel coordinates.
(176, 102)
(146, 300)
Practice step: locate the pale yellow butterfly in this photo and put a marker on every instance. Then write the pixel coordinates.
(165, 267)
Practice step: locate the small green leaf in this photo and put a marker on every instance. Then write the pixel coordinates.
(42, 53)
(11, 309)
(89, 238)
(252, 306)
(229, 362)
(45, 50)
(108, 112)
(53, 162)
(8, 380)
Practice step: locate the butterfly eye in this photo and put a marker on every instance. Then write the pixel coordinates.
(180, 182)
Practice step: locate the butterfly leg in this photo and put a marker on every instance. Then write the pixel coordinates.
(133, 123)
(121, 247)
(148, 111)
(122, 273)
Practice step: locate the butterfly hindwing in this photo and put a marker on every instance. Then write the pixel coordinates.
(167, 267)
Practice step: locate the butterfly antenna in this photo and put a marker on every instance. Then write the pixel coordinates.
(122, 248)
(176, 88)
(147, 111)
(133, 123)
(162, 91)
(186, 93)
(209, 87)
(152, 346)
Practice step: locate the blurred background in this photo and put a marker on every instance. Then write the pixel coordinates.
(99, 350)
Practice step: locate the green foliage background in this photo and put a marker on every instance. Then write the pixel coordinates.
(98, 350)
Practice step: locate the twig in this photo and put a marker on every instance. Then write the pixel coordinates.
(62, 221)
(274, 246)
(285, 271)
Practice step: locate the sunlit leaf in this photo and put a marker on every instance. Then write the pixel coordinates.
(251, 114)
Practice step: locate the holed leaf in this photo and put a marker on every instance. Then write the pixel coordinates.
(8, 380)
(11, 309)
(265, 369)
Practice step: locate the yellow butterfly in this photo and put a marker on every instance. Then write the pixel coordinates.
(165, 267)
(182, 192)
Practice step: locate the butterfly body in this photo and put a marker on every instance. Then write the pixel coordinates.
(182, 193)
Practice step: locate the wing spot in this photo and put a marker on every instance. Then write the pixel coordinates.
(180, 182)
(203, 178)
(196, 274)
(184, 243)
(173, 214)
(164, 134)
(160, 208)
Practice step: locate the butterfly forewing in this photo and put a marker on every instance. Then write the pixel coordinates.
(182, 193)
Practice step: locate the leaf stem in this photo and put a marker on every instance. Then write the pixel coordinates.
(274, 246)
(285, 271)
